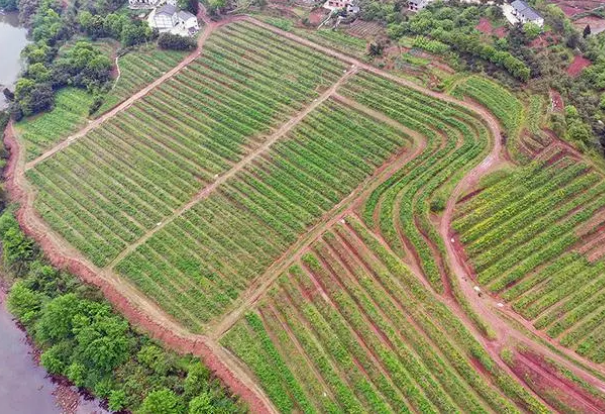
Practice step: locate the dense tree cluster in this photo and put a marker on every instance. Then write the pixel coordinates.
(176, 42)
(118, 26)
(513, 59)
(52, 25)
(83, 339)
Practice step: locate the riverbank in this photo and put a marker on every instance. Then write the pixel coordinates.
(25, 386)
(13, 39)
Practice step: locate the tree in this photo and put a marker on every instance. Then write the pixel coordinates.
(162, 401)
(202, 404)
(532, 30)
(57, 319)
(197, 377)
(586, 31)
(215, 6)
(191, 6)
(17, 248)
(102, 338)
(9, 5)
(116, 400)
(24, 303)
(175, 42)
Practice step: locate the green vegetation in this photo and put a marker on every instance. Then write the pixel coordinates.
(149, 160)
(335, 39)
(349, 328)
(518, 233)
(231, 237)
(51, 66)
(82, 338)
(69, 114)
(503, 104)
(404, 200)
(137, 69)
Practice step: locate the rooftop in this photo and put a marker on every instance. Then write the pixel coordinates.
(167, 9)
(185, 15)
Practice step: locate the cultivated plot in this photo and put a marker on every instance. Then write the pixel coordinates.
(536, 238)
(124, 178)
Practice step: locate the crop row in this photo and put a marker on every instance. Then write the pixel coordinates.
(274, 200)
(519, 232)
(404, 200)
(369, 337)
(68, 114)
(137, 69)
(161, 151)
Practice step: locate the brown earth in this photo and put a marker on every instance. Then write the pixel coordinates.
(578, 64)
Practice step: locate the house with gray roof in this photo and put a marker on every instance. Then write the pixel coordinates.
(169, 18)
(526, 14)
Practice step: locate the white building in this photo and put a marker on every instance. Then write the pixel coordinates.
(169, 18)
(187, 23)
(163, 18)
(526, 14)
(337, 4)
(417, 5)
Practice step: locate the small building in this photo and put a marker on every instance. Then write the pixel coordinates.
(187, 22)
(526, 14)
(169, 18)
(164, 18)
(143, 4)
(417, 5)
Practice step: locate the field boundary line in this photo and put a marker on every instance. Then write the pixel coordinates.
(261, 284)
(208, 30)
(491, 121)
(244, 162)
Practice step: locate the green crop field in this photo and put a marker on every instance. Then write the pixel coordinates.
(535, 238)
(455, 141)
(349, 329)
(69, 114)
(231, 237)
(143, 164)
(503, 104)
(137, 69)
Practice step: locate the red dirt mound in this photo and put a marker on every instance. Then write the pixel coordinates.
(484, 26)
(578, 65)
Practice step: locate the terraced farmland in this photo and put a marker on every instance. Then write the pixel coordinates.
(106, 190)
(349, 328)
(400, 208)
(287, 207)
(232, 236)
(536, 238)
(503, 104)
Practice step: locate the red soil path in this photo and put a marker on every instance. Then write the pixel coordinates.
(543, 377)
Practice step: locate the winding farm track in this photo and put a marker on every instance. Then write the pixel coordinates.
(143, 312)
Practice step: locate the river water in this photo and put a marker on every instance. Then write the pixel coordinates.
(13, 38)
